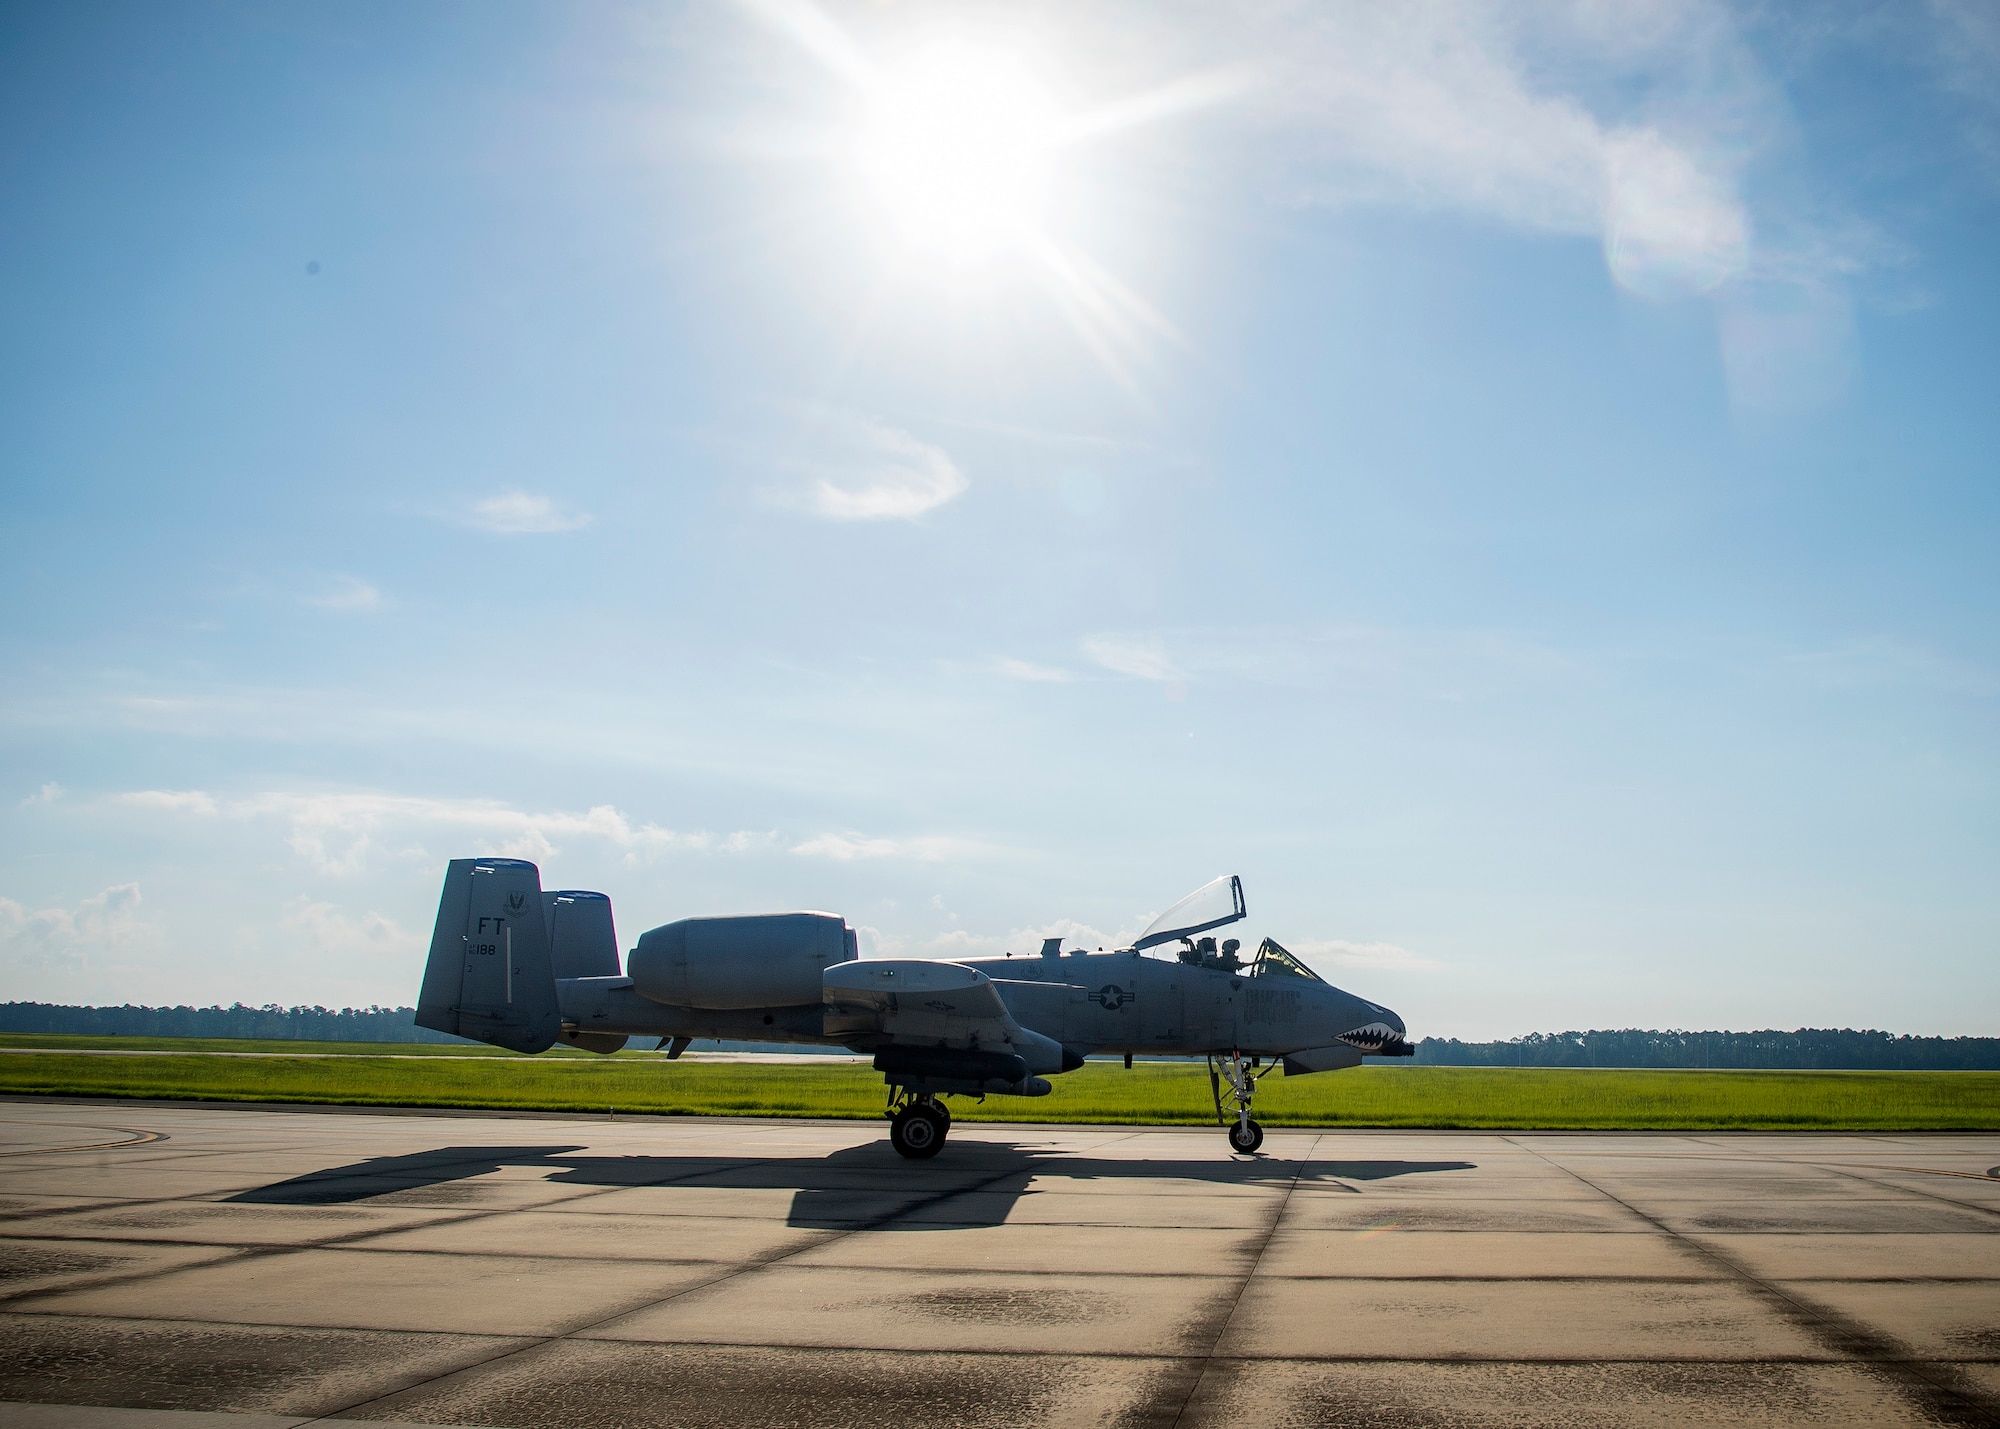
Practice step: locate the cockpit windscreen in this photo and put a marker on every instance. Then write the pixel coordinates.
(1274, 961)
(1209, 906)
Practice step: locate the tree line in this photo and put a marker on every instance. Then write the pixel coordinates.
(1807, 1048)
(305, 1024)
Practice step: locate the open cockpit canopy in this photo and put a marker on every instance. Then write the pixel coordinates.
(1209, 906)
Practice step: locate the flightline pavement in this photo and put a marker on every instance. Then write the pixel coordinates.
(178, 1266)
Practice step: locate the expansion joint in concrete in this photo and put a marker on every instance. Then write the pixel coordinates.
(1941, 1393)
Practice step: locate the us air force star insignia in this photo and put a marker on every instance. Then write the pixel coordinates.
(1111, 997)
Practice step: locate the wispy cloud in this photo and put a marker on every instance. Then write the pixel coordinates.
(326, 932)
(842, 466)
(1143, 657)
(1363, 657)
(1029, 671)
(1633, 129)
(177, 801)
(1655, 129)
(1338, 953)
(522, 513)
(47, 794)
(347, 593)
(961, 943)
(340, 832)
(849, 847)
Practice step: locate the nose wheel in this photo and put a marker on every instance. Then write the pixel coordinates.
(1232, 1108)
(1245, 1136)
(917, 1130)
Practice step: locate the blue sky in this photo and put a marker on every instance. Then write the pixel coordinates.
(1516, 484)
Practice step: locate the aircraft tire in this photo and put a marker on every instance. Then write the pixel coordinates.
(917, 1132)
(1245, 1139)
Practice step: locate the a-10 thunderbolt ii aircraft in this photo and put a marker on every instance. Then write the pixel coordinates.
(521, 968)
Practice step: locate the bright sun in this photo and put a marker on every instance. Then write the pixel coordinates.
(957, 148)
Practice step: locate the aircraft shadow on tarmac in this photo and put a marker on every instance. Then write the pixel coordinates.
(972, 1183)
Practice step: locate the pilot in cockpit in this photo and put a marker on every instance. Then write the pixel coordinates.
(1201, 952)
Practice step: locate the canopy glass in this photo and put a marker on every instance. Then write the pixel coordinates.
(1209, 906)
(1274, 961)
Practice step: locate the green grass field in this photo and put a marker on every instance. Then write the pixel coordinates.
(295, 1047)
(1104, 1092)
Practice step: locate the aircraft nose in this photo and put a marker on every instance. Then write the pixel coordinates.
(1387, 1017)
(1383, 1035)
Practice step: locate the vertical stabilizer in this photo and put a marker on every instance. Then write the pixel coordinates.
(583, 942)
(489, 976)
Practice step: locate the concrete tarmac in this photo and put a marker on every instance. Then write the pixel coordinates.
(579, 1273)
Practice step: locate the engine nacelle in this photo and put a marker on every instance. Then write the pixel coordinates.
(764, 960)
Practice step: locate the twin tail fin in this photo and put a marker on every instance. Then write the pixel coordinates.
(491, 976)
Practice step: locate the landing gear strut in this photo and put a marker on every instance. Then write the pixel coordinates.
(1244, 1134)
(917, 1128)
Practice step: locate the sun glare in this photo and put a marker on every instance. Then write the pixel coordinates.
(957, 149)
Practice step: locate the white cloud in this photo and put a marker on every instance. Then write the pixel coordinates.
(1629, 124)
(340, 832)
(522, 513)
(347, 593)
(745, 841)
(847, 467)
(1143, 657)
(47, 794)
(848, 847)
(1030, 672)
(1669, 225)
(322, 931)
(1358, 658)
(184, 801)
(63, 937)
(1339, 953)
(959, 943)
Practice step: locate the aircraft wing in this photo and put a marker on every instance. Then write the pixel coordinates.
(914, 1002)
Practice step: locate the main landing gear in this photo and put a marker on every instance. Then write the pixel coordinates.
(1244, 1134)
(917, 1128)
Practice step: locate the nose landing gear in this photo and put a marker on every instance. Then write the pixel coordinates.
(1245, 1135)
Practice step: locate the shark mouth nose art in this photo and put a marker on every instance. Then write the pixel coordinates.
(1377, 1037)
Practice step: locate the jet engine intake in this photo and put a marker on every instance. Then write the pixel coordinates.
(764, 960)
